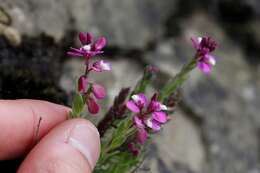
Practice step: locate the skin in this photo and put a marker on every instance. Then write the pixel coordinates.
(57, 146)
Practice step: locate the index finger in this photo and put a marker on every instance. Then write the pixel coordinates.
(19, 124)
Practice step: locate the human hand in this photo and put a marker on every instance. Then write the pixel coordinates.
(63, 146)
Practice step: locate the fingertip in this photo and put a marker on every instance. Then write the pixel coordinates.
(25, 116)
(74, 143)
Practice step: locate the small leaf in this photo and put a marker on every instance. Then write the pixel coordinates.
(77, 105)
(175, 83)
(146, 79)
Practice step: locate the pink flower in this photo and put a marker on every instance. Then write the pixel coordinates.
(137, 103)
(98, 91)
(138, 122)
(204, 46)
(89, 90)
(85, 38)
(89, 49)
(101, 65)
(93, 107)
(206, 63)
(141, 136)
(150, 115)
(82, 84)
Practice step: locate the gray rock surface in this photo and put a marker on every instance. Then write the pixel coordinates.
(225, 102)
(129, 24)
(216, 127)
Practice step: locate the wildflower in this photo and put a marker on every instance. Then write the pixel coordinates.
(204, 46)
(137, 103)
(82, 84)
(88, 48)
(142, 135)
(101, 65)
(89, 90)
(149, 115)
(93, 107)
(98, 91)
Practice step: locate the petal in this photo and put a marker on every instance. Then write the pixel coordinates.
(98, 91)
(163, 107)
(82, 84)
(132, 106)
(82, 37)
(85, 38)
(196, 42)
(101, 65)
(211, 59)
(154, 97)
(160, 117)
(204, 67)
(140, 99)
(154, 106)
(74, 54)
(156, 126)
(138, 122)
(89, 38)
(100, 43)
(76, 50)
(106, 66)
(153, 124)
(141, 136)
(93, 107)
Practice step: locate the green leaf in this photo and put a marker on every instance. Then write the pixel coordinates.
(121, 133)
(144, 81)
(177, 81)
(77, 105)
(122, 162)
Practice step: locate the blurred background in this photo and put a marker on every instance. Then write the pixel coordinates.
(216, 128)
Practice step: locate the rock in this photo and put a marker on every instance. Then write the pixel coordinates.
(180, 142)
(131, 24)
(31, 70)
(35, 17)
(225, 102)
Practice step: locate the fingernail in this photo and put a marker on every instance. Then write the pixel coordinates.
(85, 138)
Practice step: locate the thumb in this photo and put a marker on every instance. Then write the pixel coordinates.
(72, 147)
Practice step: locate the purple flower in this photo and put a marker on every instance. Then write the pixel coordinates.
(141, 136)
(137, 103)
(85, 38)
(93, 107)
(101, 65)
(98, 91)
(150, 115)
(204, 46)
(89, 48)
(82, 84)
(89, 90)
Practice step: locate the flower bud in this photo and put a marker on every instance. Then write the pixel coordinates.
(82, 84)
(85, 38)
(98, 91)
(93, 107)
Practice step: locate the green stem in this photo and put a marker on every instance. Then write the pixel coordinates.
(178, 80)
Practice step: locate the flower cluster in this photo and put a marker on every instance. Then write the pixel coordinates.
(149, 116)
(204, 46)
(89, 90)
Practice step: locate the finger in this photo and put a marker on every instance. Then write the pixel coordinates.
(72, 147)
(19, 122)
